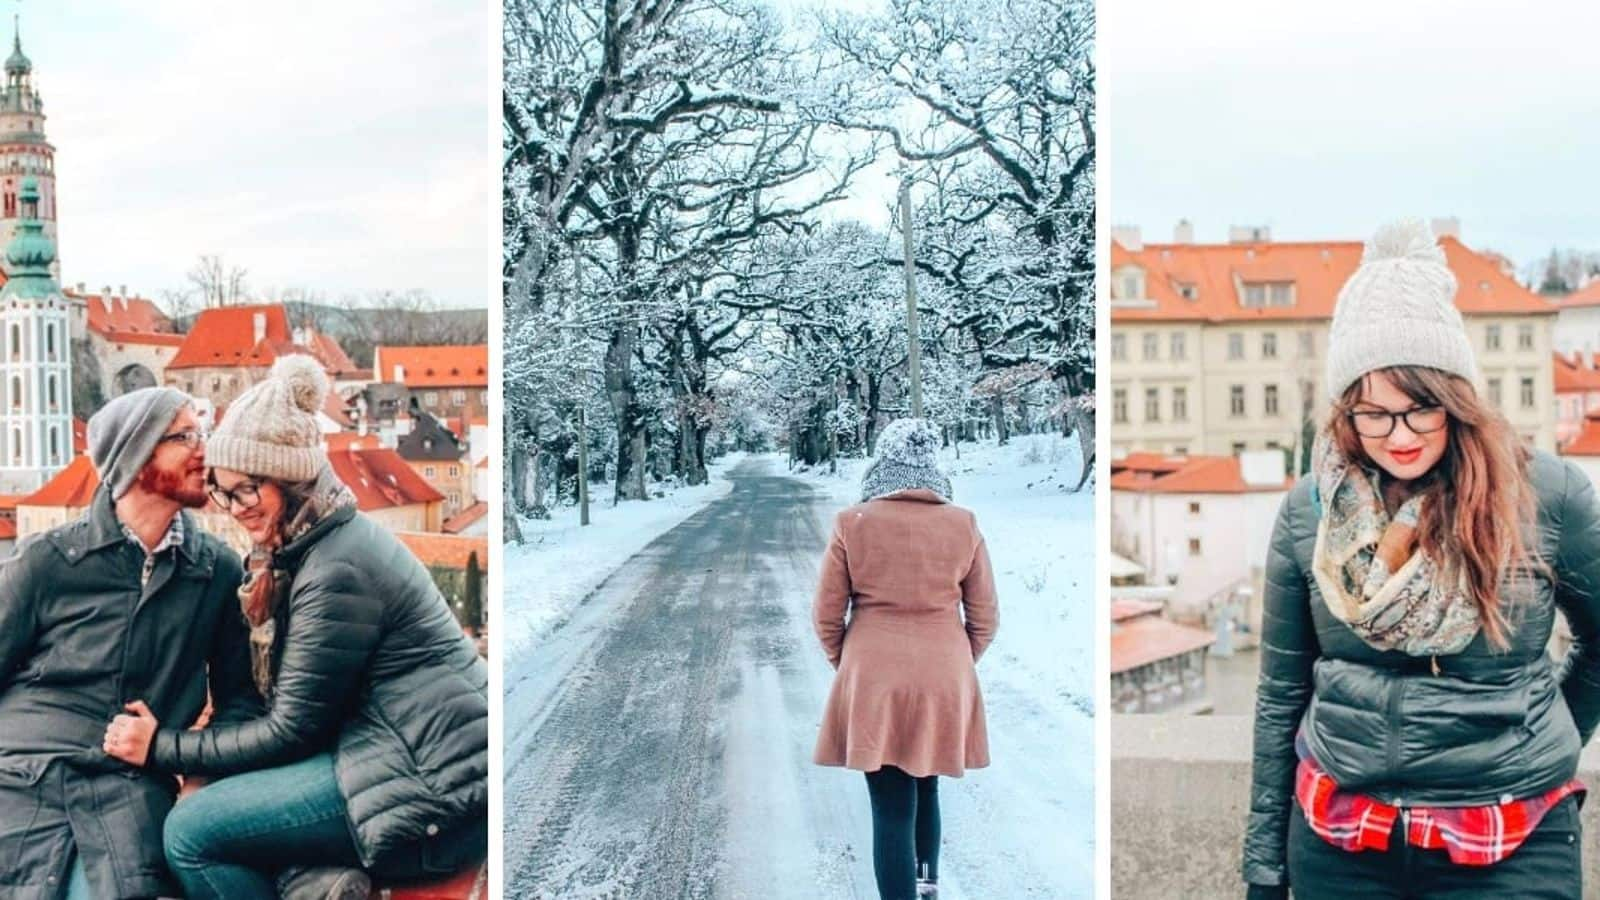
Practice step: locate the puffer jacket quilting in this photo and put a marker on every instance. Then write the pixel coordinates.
(372, 662)
(1492, 725)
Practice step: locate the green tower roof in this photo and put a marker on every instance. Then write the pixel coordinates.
(31, 251)
(18, 63)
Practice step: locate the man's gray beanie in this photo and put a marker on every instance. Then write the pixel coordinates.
(124, 433)
(1398, 309)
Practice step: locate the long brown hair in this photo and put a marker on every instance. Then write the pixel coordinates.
(1479, 501)
(261, 595)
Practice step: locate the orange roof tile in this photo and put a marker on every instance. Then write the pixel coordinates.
(1148, 638)
(1125, 608)
(72, 487)
(465, 518)
(132, 316)
(227, 337)
(1587, 443)
(1572, 377)
(380, 479)
(8, 530)
(1156, 474)
(1318, 269)
(448, 550)
(436, 366)
(1588, 295)
(8, 502)
(351, 441)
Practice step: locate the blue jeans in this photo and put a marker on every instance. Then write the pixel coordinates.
(230, 839)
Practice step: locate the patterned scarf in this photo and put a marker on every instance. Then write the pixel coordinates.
(1371, 572)
(328, 495)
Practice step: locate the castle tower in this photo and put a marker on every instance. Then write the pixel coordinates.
(24, 152)
(35, 356)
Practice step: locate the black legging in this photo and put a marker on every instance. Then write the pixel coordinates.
(905, 831)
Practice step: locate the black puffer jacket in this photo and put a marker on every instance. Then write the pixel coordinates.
(1491, 725)
(370, 660)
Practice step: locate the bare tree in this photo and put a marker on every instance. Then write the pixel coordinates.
(218, 283)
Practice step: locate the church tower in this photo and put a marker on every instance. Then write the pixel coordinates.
(35, 355)
(24, 152)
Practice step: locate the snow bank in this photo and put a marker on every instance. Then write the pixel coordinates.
(561, 562)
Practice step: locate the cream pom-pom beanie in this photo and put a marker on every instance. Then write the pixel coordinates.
(1398, 309)
(271, 430)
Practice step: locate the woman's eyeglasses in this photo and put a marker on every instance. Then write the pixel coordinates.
(191, 438)
(246, 494)
(1379, 423)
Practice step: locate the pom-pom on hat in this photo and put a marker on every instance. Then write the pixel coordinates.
(907, 459)
(271, 430)
(1398, 309)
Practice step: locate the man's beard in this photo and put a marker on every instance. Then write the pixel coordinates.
(172, 485)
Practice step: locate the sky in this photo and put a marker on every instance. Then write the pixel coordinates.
(337, 147)
(1324, 120)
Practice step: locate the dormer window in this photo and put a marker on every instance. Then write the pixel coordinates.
(1260, 294)
(1129, 284)
(1188, 290)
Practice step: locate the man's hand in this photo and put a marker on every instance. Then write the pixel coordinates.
(128, 737)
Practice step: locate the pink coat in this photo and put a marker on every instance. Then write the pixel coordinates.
(905, 568)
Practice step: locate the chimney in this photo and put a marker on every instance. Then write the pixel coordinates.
(122, 291)
(1183, 232)
(106, 292)
(1128, 237)
(1447, 226)
(399, 374)
(80, 288)
(259, 322)
(1249, 234)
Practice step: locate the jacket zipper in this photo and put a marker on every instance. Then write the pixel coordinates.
(1396, 693)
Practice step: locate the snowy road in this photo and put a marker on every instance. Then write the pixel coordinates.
(659, 742)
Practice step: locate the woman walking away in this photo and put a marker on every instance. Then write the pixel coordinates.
(373, 753)
(904, 607)
(1413, 738)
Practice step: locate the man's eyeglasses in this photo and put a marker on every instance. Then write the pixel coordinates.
(191, 438)
(246, 494)
(1379, 423)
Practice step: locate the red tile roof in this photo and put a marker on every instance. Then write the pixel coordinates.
(436, 366)
(1149, 638)
(72, 487)
(351, 441)
(447, 550)
(227, 337)
(1125, 608)
(1588, 295)
(8, 530)
(1216, 272)
(1156, 474)
(1572, 377)
(1587, 443)
(380, 479)
(465, 518)
(128, 319)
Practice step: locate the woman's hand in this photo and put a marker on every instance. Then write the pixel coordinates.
(128, 737)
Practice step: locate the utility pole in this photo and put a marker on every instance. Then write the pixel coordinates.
(913, 330)
(583, 412)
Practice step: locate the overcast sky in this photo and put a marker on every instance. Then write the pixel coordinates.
(1322, 120)
(335, 146)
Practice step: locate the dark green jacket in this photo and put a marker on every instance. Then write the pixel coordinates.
(79, 636)
(1491, 725)
(371, 662)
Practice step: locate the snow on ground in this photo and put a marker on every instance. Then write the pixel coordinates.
(1032, 810)
(561, 562)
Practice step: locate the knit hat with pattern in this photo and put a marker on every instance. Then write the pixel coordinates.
(271, 430)
(908, 459)
(1398, 309)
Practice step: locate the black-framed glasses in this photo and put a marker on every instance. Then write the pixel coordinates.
(189, 437)
(1379, 423)
(246, 494)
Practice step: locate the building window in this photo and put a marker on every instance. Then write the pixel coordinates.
(1152, 404)
(50, 342)
(1236, 400)
(1179, 348)
(1236, 345)
(16, 342)
(1238, 447)
(455, 471)
(1194, 546)
(1491, 337)
(1308, 345)
(1180, 404)
(55, 446)
(455, 499)
(50, 386)
(1119, 346)
(427, 471)
(1255, 295)
(216, 384)
(1527, 392)
(1494, 392)
(1180, 450)
(16, 446)
(1525, 337)
(1194, 507)
(1269, 345)
(1269, 399)
(1119, 405)
(16, 393)
(458, 397)
(1132, 284)
(430, 399)
(483, 397)
(1152, 346)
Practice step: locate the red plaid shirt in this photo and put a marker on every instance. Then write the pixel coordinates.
(1472, 835)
